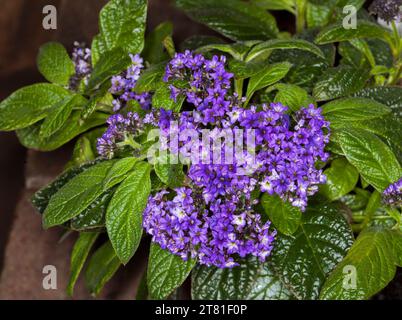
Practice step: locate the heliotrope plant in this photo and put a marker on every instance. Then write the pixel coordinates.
(265, 165)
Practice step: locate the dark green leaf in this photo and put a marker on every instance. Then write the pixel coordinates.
(340, 81)
(341, 179)
(42, 197)
(79, 255)
(365, 29)
(292, 96)
(154, 51)
(234, 19)
(108, 65)
(372, 157)
(266, 77)
(170, 174)
(371, 262)
(285, 217)
(150, 78)
(250, 280)
(122, 25)
(30, 138)
(303, 261)
(166, 272)
(29, 105)
(55, 64)
(124, 213)
(162, 99)
(270, 45)
(343, 111)
(101, 268)
(59, 114)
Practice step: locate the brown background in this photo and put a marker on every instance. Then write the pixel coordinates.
(24, 247)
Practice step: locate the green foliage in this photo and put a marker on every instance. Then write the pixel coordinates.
(166, 272)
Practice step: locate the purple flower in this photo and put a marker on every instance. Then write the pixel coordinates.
(392, 195)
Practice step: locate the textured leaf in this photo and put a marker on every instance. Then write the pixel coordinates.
(303, 261)
(150, 78)
(374, 256)
(341, 179)
(29, 137)
(59, 114)
(371, 157)
(170, 174)
(124, 213)
(292, 96)
(101, 268)
(343, 111)
(234, 19)
(250, 280)
(29, 105)
(122, 25)
(270, 45)
(365, 29)
(42, 197)
(162, 99)
(269, 75)
(55, 64)
(166, 272)
(237, 50)
(285, 217)
(108, 65)
(77, 194)
(79, 255)
(154, 51)
(340, 81)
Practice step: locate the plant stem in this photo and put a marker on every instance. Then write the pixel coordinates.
(301, 6)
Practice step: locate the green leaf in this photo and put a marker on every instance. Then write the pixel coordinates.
(303, 261)
(29, 137)
(371, 260)
(124, 213)
(285, 217)
(341, 179)
(101, 268)
(29, 105)
(82, 152)
(365, 29)
(237, 50)
(340, 81)
(371, 157)
(41, 198)
(243, 70)
(122, 25)
(79, 255)
(166, 272)
(234, 19)
(154, 51)
(150, 78)
(266, 77)
(77, 194)
(292, 96)
(108, 65)
(119, 171)
(55, 64)
(343, 111)
(391, 96)
(170, 174)
(93, 217)
(275, 5)
(59, 114)
(282, 44)
(162, 99)
(249, 280)
(317, 15)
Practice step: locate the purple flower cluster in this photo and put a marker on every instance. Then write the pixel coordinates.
(387, 10)
(81, 57)
(393, 194)
(121, 132)
(123, 85)
(215, 235)
(208, 81)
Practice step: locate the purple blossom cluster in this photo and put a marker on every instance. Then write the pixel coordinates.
(209, 83)
(121, 131)
(215, 235)
(387, 10)
(392, 195)
(123, 85)
(81, 57)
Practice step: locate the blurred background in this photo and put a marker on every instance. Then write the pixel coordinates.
(25, 248)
